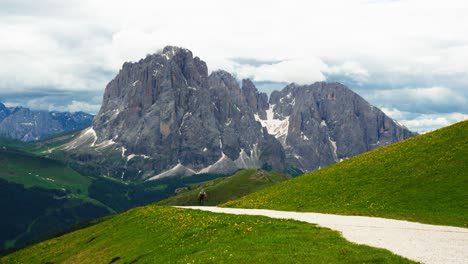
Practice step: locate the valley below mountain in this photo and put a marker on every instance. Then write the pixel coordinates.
(42, 198)
(420, 179)
(167, 124)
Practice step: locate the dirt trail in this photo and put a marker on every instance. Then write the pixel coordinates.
(419, 242)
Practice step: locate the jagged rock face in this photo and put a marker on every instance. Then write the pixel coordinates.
(165, 116)
(4, 112)
(258, 102)
(168, 108)
(324, 123)
(27, 125)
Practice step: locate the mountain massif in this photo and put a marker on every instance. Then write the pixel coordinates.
(28, 125)
(166, 116)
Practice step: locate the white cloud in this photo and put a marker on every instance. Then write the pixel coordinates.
(11, 104)
(403, 45)
(46, 104)
(420, 100)
(77, 106)
(301, 71)
(434, 94)
(395, 113)
(39, 104)
(428, 122)
(40, 54)
(424, 122)
(359, 35)
(350, 69)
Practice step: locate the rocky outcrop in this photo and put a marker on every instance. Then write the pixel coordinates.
(167, 107)
(324, 123)
(27, 125)
(165, 116)
(4, 112)
(258, 102)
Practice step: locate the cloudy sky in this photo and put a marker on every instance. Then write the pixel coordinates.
(410, 58)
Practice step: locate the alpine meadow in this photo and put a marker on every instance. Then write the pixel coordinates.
(182, 131)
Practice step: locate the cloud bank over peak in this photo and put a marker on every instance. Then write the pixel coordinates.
(407, 55)
(300, 70)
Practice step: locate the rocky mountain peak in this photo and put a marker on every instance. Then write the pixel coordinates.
(323, 123)
(172, 51)
(225, 78)
(257, 101)
(166, 107)
(4, 111)
(164, 116)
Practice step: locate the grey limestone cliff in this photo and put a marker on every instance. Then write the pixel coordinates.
(165, 115)
(167, 108)
(324, 123)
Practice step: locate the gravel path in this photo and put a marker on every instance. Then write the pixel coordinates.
(419, 242)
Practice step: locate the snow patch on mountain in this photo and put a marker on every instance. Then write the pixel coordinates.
(178, 170)
(131, 156)
(105, 144)
(87, 137)
(244, 161)
(223, 165)
(323, 123)
(275, 126)
(334, 148)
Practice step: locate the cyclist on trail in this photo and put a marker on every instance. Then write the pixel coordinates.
(201, 196)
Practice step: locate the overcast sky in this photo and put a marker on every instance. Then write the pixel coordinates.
(409, 58)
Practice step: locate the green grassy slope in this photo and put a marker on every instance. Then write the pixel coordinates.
(39, 196)
(30, 170)
(422, 179)
(155, 234)
(224, 189)
(43, 147)
(12, 143)
(32, 213)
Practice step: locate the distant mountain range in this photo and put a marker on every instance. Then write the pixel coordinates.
(29, 125)
(166, 116)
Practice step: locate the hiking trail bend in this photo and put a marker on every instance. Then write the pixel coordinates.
(420, 242)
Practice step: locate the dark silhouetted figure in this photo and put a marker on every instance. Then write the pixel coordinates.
(201, 196)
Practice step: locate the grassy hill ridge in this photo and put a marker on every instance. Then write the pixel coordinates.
(33, 171)
(155, 234)
(41, 196)
(224, 189)
(422, 179)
